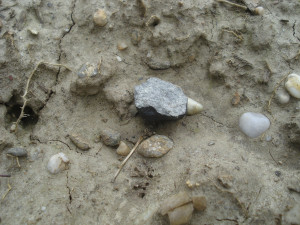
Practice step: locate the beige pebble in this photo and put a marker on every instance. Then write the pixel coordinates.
(174, 201)
(155, 146)
(199, 203)
(122, 46)
(123, 149)
(79, 142)
(181, 215)
(100, 18)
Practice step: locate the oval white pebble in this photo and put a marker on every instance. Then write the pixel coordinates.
(57, 163)
(293, 85)
(254, 124)
(283, 97)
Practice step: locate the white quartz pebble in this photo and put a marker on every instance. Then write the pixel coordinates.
(58, 163)
(254, 124)
(293, 85)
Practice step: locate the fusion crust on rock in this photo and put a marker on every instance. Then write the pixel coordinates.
(156, 99)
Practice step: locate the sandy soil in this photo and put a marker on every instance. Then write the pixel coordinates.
(228, 59)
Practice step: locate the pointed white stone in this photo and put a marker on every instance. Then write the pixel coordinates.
(193, 107)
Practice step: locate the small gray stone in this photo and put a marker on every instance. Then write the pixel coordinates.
(110, 137)
(19, 152)
(156, 99)
(155, 146)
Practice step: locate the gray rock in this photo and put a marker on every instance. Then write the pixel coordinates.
(155, 146)
(19, 152)
(110, 137)
(156, 99)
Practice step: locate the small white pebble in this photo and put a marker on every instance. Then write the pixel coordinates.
(43, 208)
(57, 163)
(283, 97)
(259, 10)
(119, 58)
(254, 124)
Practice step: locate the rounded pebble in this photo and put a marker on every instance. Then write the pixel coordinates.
(181, 215)
(57, 163)
(79, 142)
(155, 146)
(122, 46)
(254, 124)
(199, 203)
(283, 97)
(110, 137)
(136, 37)
(259, 10)
(19, 152)
(100, 18)
(123, 149)
(293, 85)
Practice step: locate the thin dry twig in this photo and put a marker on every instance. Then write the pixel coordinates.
(233, 4)
(5, 175)
(25, 100)
(274, 92)
(234, 33)
(126, 159)
(8, 190)
(17, 159)
(273, 157)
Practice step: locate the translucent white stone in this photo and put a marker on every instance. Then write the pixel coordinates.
(254, 124)
(293, 85)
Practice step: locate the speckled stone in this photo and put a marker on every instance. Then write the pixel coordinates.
(155, 146)
(110, 137)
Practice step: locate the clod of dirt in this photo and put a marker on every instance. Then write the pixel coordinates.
(292, 217)
(121, 95)
(199, 203)
(58, 163)
(293, 132)
(123, 149)
(91, 77)
(293, 85)
(254, 124)
(174, 201)
(79, 142)
(19, 152)
(110, 137)
(100, 18)
(155, 146)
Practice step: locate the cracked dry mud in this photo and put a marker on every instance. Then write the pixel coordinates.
(217, 53)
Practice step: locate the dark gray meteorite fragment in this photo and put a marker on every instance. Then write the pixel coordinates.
(156, 99)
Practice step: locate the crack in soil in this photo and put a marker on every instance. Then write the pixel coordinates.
(210, 117)
(69, 191)
(294, 30)
(67, 31)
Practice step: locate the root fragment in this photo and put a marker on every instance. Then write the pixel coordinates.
(274, 92)
(233, 4)
(14, 126)
(240, 37)
(8, 190)
(126, 159)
